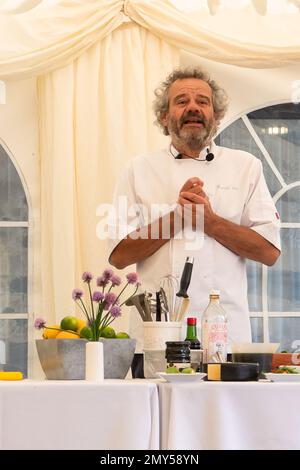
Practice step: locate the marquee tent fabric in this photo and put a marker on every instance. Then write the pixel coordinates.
(46, 38)
(97, 63)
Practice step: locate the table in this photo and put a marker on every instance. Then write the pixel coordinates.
(230, 415)
(118, 414)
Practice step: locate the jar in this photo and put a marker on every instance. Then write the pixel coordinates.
(178, 354)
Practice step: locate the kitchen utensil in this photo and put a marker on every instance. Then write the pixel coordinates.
(185, 280)
(135, 301)
(170, 286)
(183, 309)
(158, 307)
(164, 304)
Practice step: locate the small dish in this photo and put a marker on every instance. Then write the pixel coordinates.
(172, 378)
(282, 377)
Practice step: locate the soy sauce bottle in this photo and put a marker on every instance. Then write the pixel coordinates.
(191, 333)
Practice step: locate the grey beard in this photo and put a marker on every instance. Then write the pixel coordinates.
(194, 140)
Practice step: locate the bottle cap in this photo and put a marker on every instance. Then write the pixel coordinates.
(192, 321)
(214, 292)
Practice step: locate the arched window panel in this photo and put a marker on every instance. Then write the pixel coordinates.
(288, 205)
(237, 136)
(254, 275)
(13, 203)
(13, 269)
(285, 331)
(277, 127)
(284, 276)
(257, 329)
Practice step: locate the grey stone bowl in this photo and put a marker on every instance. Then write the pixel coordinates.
(64, 359)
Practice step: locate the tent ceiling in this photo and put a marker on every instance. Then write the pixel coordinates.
(262, 7)
(51, 33)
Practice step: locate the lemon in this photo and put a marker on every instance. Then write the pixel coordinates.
(122, 335)
(67, 335)
(49, 333)
(85, 332)
(81, 324)
(69, 323)
(108, 332)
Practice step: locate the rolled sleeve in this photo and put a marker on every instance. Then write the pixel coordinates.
(260, 213)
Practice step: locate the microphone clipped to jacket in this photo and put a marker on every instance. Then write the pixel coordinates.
(209, 157)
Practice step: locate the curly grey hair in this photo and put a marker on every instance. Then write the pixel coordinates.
(161, 103)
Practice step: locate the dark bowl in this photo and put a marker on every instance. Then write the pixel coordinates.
(264, 360)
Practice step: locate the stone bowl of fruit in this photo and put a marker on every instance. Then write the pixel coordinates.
(62, 352)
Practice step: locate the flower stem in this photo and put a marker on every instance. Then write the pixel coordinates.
(82, 307)
(92, 303)
(129, 297)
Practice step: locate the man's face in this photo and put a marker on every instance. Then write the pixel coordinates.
(190, 118)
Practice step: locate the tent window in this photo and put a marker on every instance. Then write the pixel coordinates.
(13, 267)
(272, 134)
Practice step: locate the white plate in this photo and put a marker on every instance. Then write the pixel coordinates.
(282, 377)
(182, 377)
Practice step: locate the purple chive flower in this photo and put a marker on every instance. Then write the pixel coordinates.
(115, 311)
(77, 294)
(115, 280)
(110, 299)
(132, 278)
(87, 276)
(108, 273)
(39, 323)
(102, 281)
(98, 296)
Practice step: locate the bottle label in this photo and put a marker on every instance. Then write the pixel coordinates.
(214, 342)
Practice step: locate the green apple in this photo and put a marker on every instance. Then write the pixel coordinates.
(108, 332)
(188, 370)
(172, 370)
(122, 335)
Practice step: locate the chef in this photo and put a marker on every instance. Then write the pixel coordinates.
(221, 192)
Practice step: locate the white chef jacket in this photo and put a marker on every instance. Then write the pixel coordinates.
(237, 191)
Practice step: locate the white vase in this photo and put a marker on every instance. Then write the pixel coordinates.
(94, 364)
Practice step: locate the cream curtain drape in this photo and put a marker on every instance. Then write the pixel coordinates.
(95, 114)
(44, 39)
(98, 62)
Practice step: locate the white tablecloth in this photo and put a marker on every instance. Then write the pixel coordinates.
(230, 415)
(117, 414)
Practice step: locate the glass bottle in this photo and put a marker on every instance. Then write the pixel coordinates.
(214, 330)
(191, 333)
(191, 336)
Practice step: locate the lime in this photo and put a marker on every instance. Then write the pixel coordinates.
(122, 335)
(69, 323)
(108, 332)
(85, 332)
